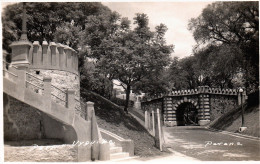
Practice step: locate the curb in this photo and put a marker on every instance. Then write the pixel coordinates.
(234, 134)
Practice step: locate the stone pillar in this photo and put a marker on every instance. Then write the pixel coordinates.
(104, 153)
(77, 63)
(95, 148)
(37, 54)
(53, 54)
(70, 99)
(146, 119)
(45, 54)
(61, 56)
(204, 106)
(4, 59)
(94, 138)
(159, 129)
(153, 117)
(169, 112)
(73, 56)
(47, 92)
(66, 54)
(69, 57)
(90, 109)
(20, 53)
(21, 80)
(57, 57)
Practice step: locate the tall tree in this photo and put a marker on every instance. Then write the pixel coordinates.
(44, 18)
(131, 55)
(235, 24)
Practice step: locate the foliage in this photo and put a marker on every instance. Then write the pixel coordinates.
(45, 18)
(131, 55)
(231, 26)
(67, 23)
(93, 79)
(121, 102)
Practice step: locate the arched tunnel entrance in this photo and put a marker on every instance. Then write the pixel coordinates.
(186, 114)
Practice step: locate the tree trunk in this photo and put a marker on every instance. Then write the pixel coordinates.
(127, 98)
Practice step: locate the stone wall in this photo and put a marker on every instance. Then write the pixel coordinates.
(210, 103)
(221, 104)
(21, 121)
(55, 153)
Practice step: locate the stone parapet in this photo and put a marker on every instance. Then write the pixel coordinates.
(199, 90)
(53, 56)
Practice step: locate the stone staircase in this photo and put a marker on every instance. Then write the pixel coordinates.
(117, 154)
(15, 84)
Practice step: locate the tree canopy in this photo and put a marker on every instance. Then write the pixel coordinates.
(131, 55)
(50, 21)
(232, 28)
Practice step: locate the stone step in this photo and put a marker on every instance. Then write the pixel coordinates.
(115, 150)
(118, 155)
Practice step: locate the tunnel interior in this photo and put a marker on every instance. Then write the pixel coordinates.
(186, 114)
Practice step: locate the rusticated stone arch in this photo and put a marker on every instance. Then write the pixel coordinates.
(178, 103)
(184, 101)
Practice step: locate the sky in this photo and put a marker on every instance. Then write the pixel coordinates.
(175, 15)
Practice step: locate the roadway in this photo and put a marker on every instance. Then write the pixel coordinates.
(207, 145)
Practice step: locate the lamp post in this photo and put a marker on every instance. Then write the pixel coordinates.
(242, 128)
(241, 95)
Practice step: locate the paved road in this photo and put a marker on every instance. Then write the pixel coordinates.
(203, 144)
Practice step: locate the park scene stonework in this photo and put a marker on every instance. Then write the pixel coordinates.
(117, 81)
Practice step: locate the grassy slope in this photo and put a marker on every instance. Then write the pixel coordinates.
(231, 121)
(112, 118)
(251, 122)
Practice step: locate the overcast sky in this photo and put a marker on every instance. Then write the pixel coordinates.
(175, 15)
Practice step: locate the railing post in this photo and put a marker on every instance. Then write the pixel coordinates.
(4, 59)
(146, 119)
(70, 99)
(90, 109)
(95, 151)
(153, 117)
(159, 128)
(21, 81)
(47, 86)
(47, 92)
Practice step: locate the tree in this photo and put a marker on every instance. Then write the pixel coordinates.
(93, 79)
(218, 65)
(66, 23)
(235, 24)
(44, 19)
(131, 55)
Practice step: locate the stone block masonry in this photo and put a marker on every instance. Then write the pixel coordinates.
(210, 103)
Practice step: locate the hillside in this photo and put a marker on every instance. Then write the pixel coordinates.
(112, 118)
(232, 120)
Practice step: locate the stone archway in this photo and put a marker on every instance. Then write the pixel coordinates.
(186, 114)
